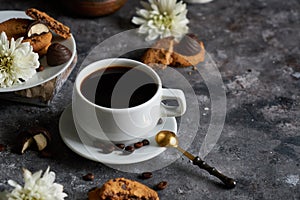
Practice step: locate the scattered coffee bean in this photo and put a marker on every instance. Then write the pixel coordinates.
(138, 145)
(146, 175)
(120, 146)
(88, 177)
(145, 142)
(129, 149)
(2, 147)
(161, 185)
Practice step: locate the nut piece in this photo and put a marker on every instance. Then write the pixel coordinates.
(37, 28)
(38, 136)
(41, 141)
(24, 141)
(26, 144)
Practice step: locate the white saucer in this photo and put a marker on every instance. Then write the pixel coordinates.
(88, 149)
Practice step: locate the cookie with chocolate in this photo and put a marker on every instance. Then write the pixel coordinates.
(56, 26)
(189, 51)
(121, 189)
(15, 27)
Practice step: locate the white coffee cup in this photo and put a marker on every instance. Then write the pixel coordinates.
(123, 124)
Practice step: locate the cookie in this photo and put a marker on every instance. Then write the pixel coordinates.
(15, 27)
(39, 43)
(53, 24)
(121, 189)
(167, 52)
(188, 52)
(160, 54)
(44, 50)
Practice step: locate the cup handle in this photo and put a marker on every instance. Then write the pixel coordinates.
(173, 111)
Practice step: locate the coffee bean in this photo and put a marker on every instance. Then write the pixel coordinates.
(88, 177)
(161, 185)
(145, 142)
(120, 146)
(2, 147)
(146, 175)
(138, 145)
(129, 149)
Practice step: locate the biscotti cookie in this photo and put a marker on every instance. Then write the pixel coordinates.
(56, 26)
(123, 189)
(15, 27)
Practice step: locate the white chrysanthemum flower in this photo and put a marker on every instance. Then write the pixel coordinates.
(37, 187)
(17, 61)
(162, 18)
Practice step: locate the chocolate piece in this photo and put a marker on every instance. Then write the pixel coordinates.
(188, 46)
(58, 54)
(40, 136)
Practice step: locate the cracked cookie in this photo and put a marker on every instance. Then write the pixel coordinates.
(121, 189)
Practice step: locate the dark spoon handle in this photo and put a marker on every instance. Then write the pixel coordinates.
(229, 182)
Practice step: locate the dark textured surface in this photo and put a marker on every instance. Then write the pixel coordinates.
(256, 46)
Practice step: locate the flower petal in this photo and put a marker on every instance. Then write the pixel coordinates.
(162, 18)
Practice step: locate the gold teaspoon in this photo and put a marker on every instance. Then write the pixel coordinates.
(169, 139)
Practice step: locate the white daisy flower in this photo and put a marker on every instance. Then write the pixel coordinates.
(37, 187)
(17, 61)
(162, 18)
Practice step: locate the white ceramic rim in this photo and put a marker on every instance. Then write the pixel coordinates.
(95, 66)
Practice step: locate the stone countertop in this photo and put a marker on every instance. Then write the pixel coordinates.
(256, 47)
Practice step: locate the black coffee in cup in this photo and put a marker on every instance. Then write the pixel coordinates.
(119, 87)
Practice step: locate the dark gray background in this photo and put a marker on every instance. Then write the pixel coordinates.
(256, 46)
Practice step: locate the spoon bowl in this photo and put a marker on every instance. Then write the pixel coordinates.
(166, 139)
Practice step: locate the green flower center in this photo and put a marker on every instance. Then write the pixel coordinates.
(5, 63)
(162, 20)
